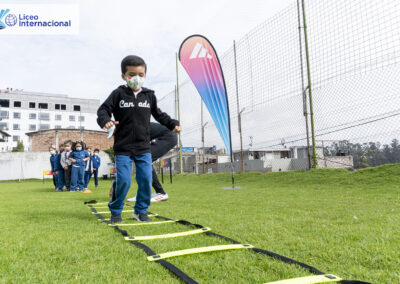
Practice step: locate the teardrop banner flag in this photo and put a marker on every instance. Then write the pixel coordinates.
(200, 60)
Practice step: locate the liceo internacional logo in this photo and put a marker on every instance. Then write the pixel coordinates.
(3, 12)
(39, 19)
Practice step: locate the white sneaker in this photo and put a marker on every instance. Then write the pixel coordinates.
(156, 197)
(133, 199)
(159, 197)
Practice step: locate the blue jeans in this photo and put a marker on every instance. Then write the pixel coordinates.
(57, 179)
(123, 182)
(88, 175)
(77, 178)
(95, 175)
(61, 178)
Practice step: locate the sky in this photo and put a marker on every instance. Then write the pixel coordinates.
(88, 64)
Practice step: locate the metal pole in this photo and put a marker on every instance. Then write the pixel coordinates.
(241, 140)
(179, 115)
(302, 87)
(202, 131)
(238, 107)
(202, 139)
(314, 156)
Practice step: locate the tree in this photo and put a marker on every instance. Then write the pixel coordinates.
(19, 148)
(110, 152)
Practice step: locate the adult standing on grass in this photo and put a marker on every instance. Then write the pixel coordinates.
(131, 105)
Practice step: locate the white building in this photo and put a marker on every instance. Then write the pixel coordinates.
(22, 112)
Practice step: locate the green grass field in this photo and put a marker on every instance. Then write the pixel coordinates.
(344, 223)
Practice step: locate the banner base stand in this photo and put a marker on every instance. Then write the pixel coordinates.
(234, 187)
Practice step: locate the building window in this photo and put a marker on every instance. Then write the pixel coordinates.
(63, 107)
(32, 127)
(71, 118)
(44, 116)
(58, 116)
(4, 114)
(4, 103)
(32, 116)
(44, 126)
(81, 118)
(71, 127)
(82, 127)
(16, 127)
(17, 104)
(15, 138)
(32, 105)
(3, 126)
(57, 126)
(57, 106)
(43, 105)
(77, 108)
(17, 115)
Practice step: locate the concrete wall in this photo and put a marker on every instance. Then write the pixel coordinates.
(26, 165)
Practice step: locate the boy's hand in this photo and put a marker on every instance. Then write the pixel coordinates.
(177, 129)
(109, 124)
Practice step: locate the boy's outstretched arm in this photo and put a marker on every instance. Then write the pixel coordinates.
(163, 118)
(105, 111)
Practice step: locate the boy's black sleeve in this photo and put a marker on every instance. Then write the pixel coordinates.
(162, 117)
(106, 110)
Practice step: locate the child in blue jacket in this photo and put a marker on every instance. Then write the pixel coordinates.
(55, 167)
(96, 165)
(78, 158)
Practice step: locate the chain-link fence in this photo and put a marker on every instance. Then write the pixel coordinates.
(354, 55)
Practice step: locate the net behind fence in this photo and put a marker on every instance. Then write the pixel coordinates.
(354, 53)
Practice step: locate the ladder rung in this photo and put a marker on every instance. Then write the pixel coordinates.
(142, 223)
(166, 236)
(197, 250)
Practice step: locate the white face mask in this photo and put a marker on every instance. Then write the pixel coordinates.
(78, 148)
(68, 148)
(96, 154)
(52, 152)
(135, 82)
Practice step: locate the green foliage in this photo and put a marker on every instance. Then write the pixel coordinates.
(369, 154)
(341, 222)
(19, 148)
(110, 152)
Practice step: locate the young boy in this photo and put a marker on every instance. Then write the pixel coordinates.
(132, 107)
(96, 165)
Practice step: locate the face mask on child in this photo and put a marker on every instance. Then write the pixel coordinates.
(95, 153)
(135, 82)
(78, 148)
(67, 148)
(52, 152)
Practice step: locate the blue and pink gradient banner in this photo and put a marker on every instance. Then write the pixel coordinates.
(200, 60)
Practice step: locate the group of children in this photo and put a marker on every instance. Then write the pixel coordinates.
(73, 166)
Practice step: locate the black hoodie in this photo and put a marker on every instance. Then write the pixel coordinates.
(132, 134)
